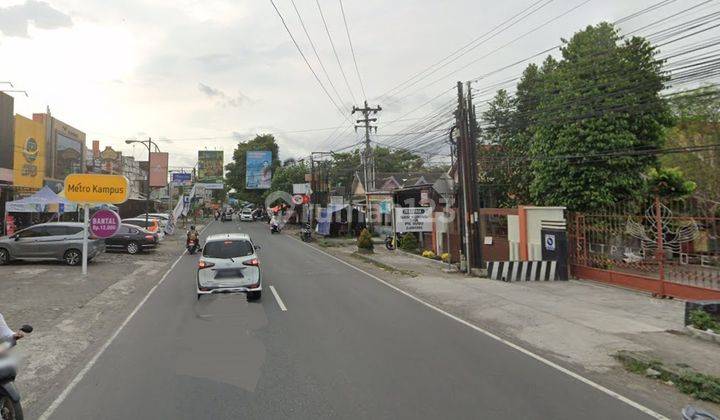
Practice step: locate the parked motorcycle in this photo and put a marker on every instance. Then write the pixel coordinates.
(306, 232)
(10, 407)
(390, 242)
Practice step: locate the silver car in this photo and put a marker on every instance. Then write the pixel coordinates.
(60, 241)
(229, 264)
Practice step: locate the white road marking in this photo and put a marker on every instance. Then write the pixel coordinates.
(277, 298)
(79, 377)
(510, 344)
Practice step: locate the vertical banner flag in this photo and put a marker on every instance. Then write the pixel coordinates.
(158, 169)
(258, 172)
(210, 169)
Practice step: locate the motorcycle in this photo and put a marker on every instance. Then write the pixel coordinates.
(306, 232)
(274, 228)
(390, 242)
(192, 246)
(10, 407)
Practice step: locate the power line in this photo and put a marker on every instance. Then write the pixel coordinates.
(352, 50)
(337, 57)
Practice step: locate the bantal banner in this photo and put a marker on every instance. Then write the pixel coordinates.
(258, 170)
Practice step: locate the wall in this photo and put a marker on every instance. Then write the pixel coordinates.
(65, 148)
(7, 136)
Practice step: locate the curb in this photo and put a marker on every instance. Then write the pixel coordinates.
(702, 335)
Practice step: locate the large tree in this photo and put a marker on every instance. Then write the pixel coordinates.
(601, 101)
(284, 178)
(236, 169)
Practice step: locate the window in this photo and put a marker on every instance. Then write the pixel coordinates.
(33, 232)
(124, 230)
(228, 249)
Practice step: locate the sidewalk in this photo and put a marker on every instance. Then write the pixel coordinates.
(580, 323)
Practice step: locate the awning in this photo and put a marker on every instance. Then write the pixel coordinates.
(44, 200)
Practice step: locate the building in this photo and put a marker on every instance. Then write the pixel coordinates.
(109, 161)
(137, 177)
(7, 145)
(65, 150)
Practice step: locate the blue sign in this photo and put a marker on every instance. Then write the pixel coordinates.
(181, 178)
(258, 172)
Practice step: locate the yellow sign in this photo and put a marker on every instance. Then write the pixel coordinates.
(93, 188)
(29, 156)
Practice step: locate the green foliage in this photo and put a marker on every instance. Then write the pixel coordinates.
(697, 123)
(284, 178)
(344, 165)
(364, 241)
(409, 242)
(236, 169)
(703, 321)
(703, 387)
(669, 183)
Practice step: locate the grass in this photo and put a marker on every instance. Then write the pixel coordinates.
(699, 385)
(383, 266)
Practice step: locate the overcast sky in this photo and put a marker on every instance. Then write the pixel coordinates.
(223, 69)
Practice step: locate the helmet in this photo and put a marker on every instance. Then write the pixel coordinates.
(192, 227)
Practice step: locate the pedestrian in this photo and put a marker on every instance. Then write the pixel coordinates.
(6, 333)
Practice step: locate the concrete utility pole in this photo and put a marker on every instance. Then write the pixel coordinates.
(368, 161)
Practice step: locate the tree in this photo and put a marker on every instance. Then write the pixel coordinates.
(236, 169)
(669, 183)
(343, 166)
(697, 123)
(284, 178)
(602, 98)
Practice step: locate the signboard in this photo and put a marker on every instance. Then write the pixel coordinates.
(158, 169)
(104, 223)
(337, 199)
(413, 219)
(181, 178)
(550, 242)
(210, 167)
(258, 170)
(93, 188)
(29, 156)
(297, 199)
(302, 189)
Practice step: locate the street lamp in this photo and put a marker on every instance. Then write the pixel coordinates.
(147, 143)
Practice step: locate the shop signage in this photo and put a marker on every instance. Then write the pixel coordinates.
(93, 188)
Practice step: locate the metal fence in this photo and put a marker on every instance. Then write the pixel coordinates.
(667, 248)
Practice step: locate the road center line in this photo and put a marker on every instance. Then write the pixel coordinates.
(277, 298)
(79, 377)
(510, 344)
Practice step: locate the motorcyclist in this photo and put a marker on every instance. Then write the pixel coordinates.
(192, 235)
(6, 333)
(274, 222)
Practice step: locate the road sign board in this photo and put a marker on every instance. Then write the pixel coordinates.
(94, 188)
(550, 242)
(297, 199)
(413, 219)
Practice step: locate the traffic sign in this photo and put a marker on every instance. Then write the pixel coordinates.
(93, 188)
(297, 199)
(550, 242)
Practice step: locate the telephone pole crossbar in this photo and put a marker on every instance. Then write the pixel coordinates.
(368, 161)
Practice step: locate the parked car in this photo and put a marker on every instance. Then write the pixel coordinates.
(162, 218)
(229, 264)
(151, 225)
(62, 241)
(247, 216)
(132, 239)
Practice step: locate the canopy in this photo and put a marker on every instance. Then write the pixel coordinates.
(40, 202)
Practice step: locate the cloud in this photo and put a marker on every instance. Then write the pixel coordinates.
(15, 20)
(223, 99)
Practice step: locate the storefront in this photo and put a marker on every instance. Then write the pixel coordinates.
(65, 150)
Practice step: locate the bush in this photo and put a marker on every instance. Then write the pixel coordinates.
(704, 387)
(445, 257)
(365, 240)
(409, 242)
(428, 254)
(703, 321)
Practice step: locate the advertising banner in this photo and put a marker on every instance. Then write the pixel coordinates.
(413, 219)
(210, 168)
(158, 169)
(258, 172)
(182, 178)
(29, 156)
(104, 223)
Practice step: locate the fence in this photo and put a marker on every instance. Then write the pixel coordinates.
(668, 249)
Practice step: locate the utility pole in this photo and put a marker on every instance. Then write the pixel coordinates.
(367, 155)
(462, 160)
(475, 233)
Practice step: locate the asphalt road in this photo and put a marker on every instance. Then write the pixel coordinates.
(347, 347)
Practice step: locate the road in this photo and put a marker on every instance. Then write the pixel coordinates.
(346, 347)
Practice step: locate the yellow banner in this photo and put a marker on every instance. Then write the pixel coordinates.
(93, 188)
(29, 156)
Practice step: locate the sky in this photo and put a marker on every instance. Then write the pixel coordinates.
(205, 74)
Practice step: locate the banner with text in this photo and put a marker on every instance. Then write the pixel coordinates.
(413, 219)
(210, 169)
(258, 172)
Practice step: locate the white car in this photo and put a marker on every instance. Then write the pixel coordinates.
(246, 216)
(229, 264)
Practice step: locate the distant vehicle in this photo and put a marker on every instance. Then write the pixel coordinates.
(226, 217)
(229, 264)
(247, 216)
(62, 241)
(152, 225)
(132, 239)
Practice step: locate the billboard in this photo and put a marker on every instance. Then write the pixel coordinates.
(158, 169)
(29, 155)
(258, 170)
(182, 178)
(210, 168)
